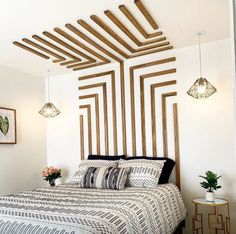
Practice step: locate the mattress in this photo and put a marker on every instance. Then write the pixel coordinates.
(67, 209)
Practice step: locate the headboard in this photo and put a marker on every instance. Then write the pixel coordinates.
(150, 111)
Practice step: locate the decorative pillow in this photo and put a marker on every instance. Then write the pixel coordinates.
(143, 173)
(105, 178)
(105, 157)
(166, 170)
(90, 163)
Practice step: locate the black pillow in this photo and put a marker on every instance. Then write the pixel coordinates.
(167, 168)
(105, 157)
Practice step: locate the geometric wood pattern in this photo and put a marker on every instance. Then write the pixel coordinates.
(112, 77)
(157, 79)
(57, 45)
(132, 94)
(115, 37)
(97, 117)
(88, 108)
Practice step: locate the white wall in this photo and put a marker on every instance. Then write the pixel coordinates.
(21, 164)
(206, 126)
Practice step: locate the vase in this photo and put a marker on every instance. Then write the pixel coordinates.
(210, 196)
(52, 182)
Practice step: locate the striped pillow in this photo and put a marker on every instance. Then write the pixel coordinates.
(143, 173)
(105, 178)
(85, 164)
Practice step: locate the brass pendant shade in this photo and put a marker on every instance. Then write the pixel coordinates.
(202, 88)
(49, 110)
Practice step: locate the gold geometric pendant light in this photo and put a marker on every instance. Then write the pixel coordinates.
(49, 110)
(202, 88)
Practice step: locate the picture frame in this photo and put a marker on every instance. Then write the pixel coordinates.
(8, 126)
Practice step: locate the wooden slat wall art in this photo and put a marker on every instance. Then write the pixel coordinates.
(109, 38)
(111, 75)
(90, 141)
(132, 95)
(97, 117)
(155, 74)
(81, 137)
(104, 89)
(80, 56)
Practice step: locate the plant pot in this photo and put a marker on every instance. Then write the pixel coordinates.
(52, 182)
(210, 196)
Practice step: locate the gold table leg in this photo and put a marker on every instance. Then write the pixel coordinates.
(197, 222)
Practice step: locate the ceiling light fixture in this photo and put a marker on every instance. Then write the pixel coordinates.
(49, 110)
(202, 88)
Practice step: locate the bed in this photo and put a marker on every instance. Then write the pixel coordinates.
(67, 209)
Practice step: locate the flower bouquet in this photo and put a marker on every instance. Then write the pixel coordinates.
(50, 174)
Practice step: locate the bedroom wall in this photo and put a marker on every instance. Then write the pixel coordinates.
(206, 126)
(21, 164)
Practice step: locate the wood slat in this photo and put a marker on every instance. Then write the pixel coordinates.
(89, 66)
(81, 45)
(104, 89)
(164, 121)
(102, 38)
(146, 14)
(91, 42)
(97, 115)
(81, 137)
(152, 52)
(111, 75)
(59, 58)
(152, 47)
(132, 95)
(30, 50)
(80, 64)
(177, 151)
(122, 87)
(88, 108)
(137, 25)
(49, 44)
(109, 31)
(154, 127)
(61, 42)
(142, 100)
(126, 31)
(69, 62)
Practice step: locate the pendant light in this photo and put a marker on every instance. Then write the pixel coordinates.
(202, 88)
(49, 110)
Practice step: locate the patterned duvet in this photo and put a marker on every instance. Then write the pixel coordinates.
(66, 209)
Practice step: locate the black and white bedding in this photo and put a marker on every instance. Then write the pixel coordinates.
(67, 209)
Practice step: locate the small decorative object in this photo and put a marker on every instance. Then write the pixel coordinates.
(49, 110)
(7, 126)
(50, 174)
(202, 88)
(210, 184)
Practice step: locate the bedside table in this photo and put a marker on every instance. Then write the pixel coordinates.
(217, 222)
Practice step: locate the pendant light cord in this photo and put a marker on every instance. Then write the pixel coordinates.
(48, 86)
(200, 54)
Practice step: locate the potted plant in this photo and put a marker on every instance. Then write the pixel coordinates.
(210, 184)
(50, 174)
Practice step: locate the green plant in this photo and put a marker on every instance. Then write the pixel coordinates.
(211, 181)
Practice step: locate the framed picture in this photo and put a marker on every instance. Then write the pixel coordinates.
(7, 126)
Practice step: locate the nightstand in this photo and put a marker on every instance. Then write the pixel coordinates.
(218, 222)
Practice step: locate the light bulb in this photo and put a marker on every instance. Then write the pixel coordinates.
(201, 89)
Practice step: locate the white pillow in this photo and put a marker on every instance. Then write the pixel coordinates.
(143, 173)
(90, 163)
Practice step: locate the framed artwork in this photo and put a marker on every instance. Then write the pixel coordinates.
(7, 126)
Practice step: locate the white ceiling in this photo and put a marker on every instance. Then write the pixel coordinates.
(179, 20)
